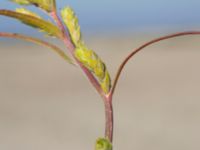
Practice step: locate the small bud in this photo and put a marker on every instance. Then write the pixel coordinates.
(99, 69)
(103, 144)
(106, 83)
(84, 56)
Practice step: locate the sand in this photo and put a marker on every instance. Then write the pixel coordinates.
(46, 104)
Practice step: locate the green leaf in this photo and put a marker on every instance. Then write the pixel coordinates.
(21, 2)
(71, 22)
(39, 42)
(35, 22)
(95, 65)
(47, 5)
(103, 144)
(27, 12)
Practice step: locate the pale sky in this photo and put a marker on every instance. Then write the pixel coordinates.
(115, 15)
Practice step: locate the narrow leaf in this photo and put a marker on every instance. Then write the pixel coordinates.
(71, 21)
(47, 5)
(35, 22)
(21, 2)
(39, 42)
(27, 12)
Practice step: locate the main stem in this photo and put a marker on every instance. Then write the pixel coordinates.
(107, 98)
(109, 118)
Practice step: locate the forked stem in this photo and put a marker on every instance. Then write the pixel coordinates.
(108, 98)
(142, 47)
(93, 80)
(69, 44)
(67, 40)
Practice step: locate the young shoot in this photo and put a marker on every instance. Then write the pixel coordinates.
(67, 29)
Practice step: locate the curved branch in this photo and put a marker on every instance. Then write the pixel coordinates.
(144, 46)
(69, 44)
(39, 42)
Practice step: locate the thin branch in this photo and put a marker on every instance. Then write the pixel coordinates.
(142, 47)
(39, 42)
(67, 40)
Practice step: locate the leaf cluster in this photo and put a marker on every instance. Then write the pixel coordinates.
(34, 20)
(83, 56)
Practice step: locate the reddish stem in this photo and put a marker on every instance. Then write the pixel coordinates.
(66, 39)
(109, 118)
(93, 80)
(142, 47)
(108, 98)
(95, 83)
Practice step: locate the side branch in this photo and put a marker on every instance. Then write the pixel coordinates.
(39, 42)
(144, 46)
(71, 47)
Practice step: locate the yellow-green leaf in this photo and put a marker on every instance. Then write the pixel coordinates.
(47, 5)
(71, 21)
(35, 22)
(27, 12)
(93, 63)
(21, 2)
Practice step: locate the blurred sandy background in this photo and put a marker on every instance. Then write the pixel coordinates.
(47, 104)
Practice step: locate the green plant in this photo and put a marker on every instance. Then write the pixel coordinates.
(67, 30)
